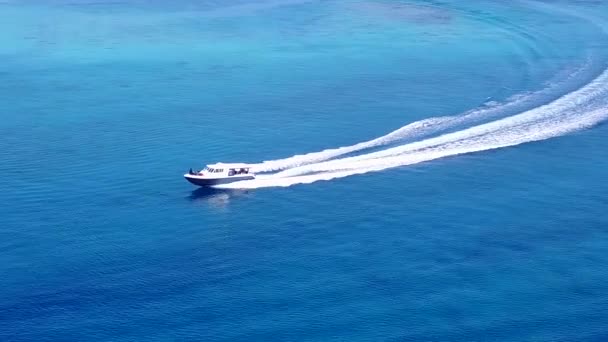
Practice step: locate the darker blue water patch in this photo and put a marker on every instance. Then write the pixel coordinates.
(106, 105)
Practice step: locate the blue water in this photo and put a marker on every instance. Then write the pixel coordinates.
(105, 104)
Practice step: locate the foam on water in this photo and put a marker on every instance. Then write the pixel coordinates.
(429, 126)
(517, 136)
(576, 110)
(510, 134)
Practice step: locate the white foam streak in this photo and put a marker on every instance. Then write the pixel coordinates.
(534, 132)
(574, 111)
(425, 127)
(577, 110)
(570, 103)
(412, 130)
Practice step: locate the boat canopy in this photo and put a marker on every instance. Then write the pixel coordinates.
(232, 168)
(229, 166)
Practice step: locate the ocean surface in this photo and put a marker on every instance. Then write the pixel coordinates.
(428, 170)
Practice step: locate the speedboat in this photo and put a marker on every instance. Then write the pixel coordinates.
(220, 173)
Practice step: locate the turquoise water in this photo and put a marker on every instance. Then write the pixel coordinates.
(484, 219)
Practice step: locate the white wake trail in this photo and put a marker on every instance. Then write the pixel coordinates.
(412, 130)
(534, 132)
(423, 128)
(574, 111)
(567, 104)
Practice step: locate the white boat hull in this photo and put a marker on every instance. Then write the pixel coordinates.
(209, 181)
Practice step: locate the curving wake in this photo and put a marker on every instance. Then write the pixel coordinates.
(490, 127)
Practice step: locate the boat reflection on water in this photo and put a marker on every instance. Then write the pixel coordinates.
(218, 198)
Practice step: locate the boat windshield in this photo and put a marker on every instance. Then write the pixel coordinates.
(212, 170)
(231, 170)
(238, 171)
